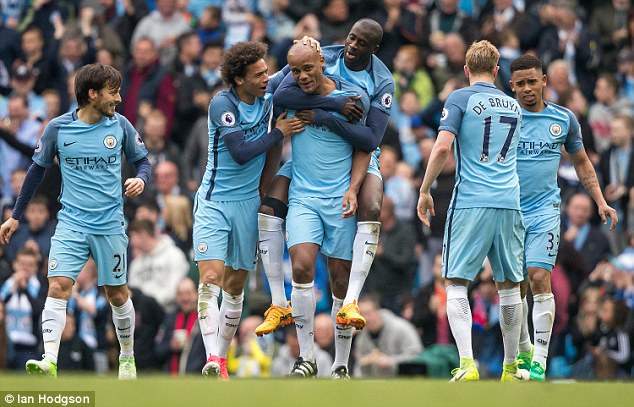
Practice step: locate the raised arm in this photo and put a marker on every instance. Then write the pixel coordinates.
(364, 137)
(289, 96)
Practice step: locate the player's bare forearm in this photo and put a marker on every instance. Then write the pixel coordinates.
(272, 164)
(587, 176)
(360, 162)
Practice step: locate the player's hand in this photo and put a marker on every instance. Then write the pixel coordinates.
(306, 116)
(606, 212)
(306, 40)
(352, 110)
(290, 126)
(134, 187)
(425, 203)
(7, 229)
(349, 204)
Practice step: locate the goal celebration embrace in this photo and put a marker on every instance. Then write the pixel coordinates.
(342, 190)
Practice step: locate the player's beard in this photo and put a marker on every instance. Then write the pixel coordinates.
(107, 109)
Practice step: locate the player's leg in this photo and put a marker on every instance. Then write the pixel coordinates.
(109, 253)
(339, 271)
(68, 254)
(338, 246)
(541, 250)
(543, 318)
(463, 256)
(507, 261)
(241, 259)
(211, 235)
(525, 354)
(367, 236)
(271, 217)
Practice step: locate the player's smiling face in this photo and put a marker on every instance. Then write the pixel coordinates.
(528, 86)
(255, 80)
(107, 100)
(307, 68)
(358, 48)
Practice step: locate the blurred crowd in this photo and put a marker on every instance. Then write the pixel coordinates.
(170, 52)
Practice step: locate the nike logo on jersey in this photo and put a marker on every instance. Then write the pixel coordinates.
(69, 144)
(118, 276)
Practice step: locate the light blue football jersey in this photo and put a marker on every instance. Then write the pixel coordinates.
(538, 154)
(90, 158)
(322, 160)
(486, 123)
(376, 80)
(225, 179)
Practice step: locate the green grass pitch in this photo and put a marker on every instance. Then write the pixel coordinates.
(195, 391)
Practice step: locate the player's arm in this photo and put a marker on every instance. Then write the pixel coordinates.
(588, 177)
(242, 150)
(360, 162)
(439, 154)
(585, 171)
(363, 137)
(289, 96)
(136, 152)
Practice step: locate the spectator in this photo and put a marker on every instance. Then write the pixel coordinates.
(617, 168)
(162, 27)
(23, 306)
(450, 63)
(392, 273)
(558, 80)
(44, 66)
(237, 16)
(612, 344)
(156, 139)
(572, 41)
(179, 344)
(37, 228)
(4, 343)
(609, 22)
(608, 104)
(149, 317)
(74, 354)
(335, 22)
(146, 84)
(409, 74)
(22, 83)
(247, 355)
(386, 341)
(157, 265)
(588, 241)
(325, 333)
(24, 130)
(167, 181)
(209, 27)
(177, 214)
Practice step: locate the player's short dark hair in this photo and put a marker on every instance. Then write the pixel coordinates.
(238, 58)
(374, 29)
(142, 225)
(95, 76)
(526, 61)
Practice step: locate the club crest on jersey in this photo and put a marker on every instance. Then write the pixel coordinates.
(228, 119)
(110, 142)
(202, 247)
(555, 129)
(444, 114)
(52, 264)
(386, 100)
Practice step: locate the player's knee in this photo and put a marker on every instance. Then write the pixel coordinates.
(303, 273)
(339, 286)
(274, 207)
(117, 295)
(540, 281)
(60, 287)
(369, 211)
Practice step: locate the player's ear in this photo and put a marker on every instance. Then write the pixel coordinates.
(545, 80)
(466, 71)
(92, 94)
(239, 81)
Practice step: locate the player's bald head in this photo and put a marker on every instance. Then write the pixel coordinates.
(303, 51)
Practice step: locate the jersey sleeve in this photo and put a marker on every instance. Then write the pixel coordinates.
(331, 54)
(46, 148)
(452, 112)
(574, 141)
(276, 79)
(133, 146)
(383, 98)
(223, 115)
